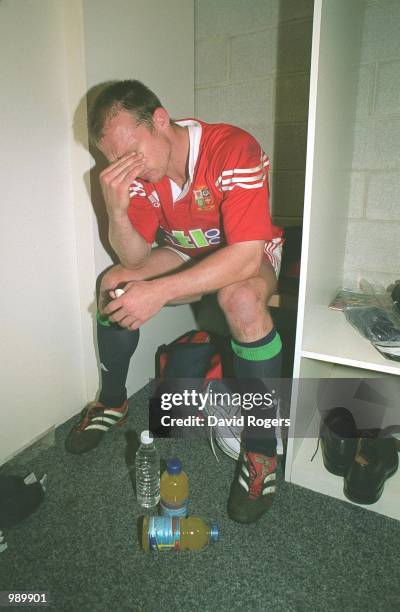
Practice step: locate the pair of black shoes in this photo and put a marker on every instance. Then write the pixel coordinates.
(365, 459)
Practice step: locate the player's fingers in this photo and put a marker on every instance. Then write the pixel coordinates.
(112, 172)
(116, 293)
(118, 316)
(124, 173)
(121, 163)
(122, 182)
(112, 307)
(129, 322)
(135, 325)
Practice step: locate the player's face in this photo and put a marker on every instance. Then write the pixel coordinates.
(123, 135)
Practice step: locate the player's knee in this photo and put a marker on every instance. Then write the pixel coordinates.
(109, 279)
(243, 302)
(114, 277)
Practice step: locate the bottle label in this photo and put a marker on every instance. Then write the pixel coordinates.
(180, 511)
(164, 533)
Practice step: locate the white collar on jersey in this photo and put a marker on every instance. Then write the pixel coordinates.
(194, 129)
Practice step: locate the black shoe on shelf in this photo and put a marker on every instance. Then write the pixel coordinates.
(338, 435)
(376, 459)
(95, 420)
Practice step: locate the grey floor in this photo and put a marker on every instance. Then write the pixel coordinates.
(310, 552)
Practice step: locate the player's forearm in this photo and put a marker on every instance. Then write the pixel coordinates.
(228, 265)
(128, 244)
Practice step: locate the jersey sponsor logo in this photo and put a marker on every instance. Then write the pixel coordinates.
(194, 239)
(203, 198)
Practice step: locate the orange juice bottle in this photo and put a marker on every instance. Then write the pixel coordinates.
(174, 490)
(166, 533)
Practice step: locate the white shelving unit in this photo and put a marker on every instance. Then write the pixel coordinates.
(327, 347)
(341, 343)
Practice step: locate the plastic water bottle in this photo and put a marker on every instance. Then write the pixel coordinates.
(166, 533)
(147, 472)
(174, 490)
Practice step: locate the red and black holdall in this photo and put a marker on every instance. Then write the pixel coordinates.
(186, 364)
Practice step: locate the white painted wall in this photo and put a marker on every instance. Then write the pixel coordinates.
(50, 53)
(42, 373)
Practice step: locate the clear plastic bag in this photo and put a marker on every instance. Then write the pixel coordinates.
(380, 323)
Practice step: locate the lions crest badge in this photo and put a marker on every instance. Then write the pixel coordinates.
(203, 198)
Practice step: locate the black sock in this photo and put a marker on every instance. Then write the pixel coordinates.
(253, 362)
(116, 347)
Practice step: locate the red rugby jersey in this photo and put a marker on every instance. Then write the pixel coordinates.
(227, 200)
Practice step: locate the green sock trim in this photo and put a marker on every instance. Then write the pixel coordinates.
(104, 321)
(258, 353)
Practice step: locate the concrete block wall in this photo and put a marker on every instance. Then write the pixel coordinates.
(252, 69)
(373, 238)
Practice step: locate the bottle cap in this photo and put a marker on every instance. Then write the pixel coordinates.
(174, 466)
(214, 532)
(146, 437)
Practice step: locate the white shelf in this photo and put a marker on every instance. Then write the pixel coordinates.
(326, 344)
(329, 337)
(313, 475)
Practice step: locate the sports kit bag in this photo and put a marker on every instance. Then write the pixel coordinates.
(193, 362)
(192, 355)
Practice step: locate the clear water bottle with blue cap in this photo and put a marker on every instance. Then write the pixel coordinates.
(166, 533)
(147, 472)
